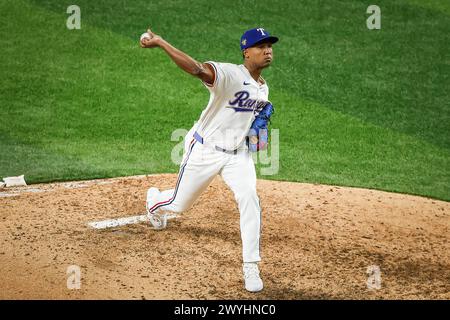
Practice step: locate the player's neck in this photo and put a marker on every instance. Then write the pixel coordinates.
(254, 71)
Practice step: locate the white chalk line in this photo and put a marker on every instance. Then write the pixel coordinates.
(52, 187)
(5, 195)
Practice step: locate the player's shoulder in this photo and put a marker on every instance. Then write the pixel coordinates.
(226, 66)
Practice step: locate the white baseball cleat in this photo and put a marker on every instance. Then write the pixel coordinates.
(253, 282)
(157, 219)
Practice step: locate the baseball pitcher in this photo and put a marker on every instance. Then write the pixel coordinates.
(232, 125)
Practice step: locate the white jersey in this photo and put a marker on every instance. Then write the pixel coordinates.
(235, 99)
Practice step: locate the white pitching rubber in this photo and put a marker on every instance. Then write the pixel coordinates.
(112, 223)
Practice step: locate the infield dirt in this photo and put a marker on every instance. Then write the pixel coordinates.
(317, 242)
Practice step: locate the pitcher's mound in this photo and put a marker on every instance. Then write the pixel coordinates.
(318, 242)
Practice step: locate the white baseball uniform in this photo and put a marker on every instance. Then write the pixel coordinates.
(216, 144)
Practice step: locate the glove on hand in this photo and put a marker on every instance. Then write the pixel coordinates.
(257, 135)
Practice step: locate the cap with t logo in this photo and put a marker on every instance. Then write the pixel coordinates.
(256, 36)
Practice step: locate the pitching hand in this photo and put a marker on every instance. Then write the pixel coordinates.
(150, 43)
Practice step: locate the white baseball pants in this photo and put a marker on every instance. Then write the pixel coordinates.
(199, 167)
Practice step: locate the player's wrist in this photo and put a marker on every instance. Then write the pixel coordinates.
(160, 42)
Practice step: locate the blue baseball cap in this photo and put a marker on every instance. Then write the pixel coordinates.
(255, 36)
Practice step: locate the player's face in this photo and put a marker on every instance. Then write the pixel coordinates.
(261, 54)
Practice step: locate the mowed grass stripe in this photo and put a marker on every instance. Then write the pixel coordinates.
(92, 104)
(334, 148)
(395, 77)
(91, 96)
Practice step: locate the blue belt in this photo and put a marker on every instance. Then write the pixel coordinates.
(200, 139)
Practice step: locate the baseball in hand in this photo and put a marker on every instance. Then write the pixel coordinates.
(146, 35)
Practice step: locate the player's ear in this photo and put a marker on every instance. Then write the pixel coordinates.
(245, 54)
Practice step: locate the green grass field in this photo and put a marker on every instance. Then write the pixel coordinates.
(354, 107)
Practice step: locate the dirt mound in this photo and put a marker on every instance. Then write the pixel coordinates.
(317, 243)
